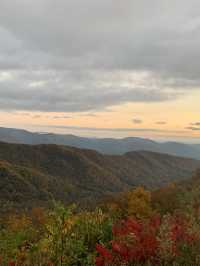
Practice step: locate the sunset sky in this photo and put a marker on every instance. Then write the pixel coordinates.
(109, 68)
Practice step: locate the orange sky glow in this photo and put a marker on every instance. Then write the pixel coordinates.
(162, 120)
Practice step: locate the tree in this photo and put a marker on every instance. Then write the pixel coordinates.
(139, 203)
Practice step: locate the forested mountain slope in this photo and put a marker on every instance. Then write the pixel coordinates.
(35, 174)
(103, 145)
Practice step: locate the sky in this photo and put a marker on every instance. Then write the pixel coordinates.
(109, 68)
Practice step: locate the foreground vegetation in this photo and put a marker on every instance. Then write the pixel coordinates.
(136, 228)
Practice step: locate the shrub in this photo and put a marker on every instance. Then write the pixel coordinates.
(152, 242)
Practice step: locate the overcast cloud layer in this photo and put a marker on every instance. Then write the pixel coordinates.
(75, 55)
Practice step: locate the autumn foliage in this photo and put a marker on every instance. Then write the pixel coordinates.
(153, 242)
(136, 231)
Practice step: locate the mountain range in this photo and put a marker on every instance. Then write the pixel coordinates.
(103, 145)
(35, 174)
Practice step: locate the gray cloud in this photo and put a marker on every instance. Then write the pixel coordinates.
(61, 117)
(95, 129)
(161, 122)
(137, 121)
(195, 124)
(61, 92)
(89, 114)
(193, 128)
(37, 116)
(78, 55)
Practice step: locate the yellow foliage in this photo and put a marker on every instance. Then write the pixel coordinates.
(139, 203)
(16, 223)
(68, 224)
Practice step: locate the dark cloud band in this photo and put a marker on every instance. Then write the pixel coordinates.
(89, 55)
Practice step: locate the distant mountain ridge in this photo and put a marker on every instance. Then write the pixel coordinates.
(35, 174)
(104, 145)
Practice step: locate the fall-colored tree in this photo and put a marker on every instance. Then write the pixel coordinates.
(139, 203)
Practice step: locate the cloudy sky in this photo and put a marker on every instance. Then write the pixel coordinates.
(101, 68)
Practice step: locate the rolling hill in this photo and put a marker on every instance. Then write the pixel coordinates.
(35, 174)
(105, 146)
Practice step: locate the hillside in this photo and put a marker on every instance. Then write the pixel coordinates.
(138, 227)
(35, 174)
(183, 194)
(104, 145)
